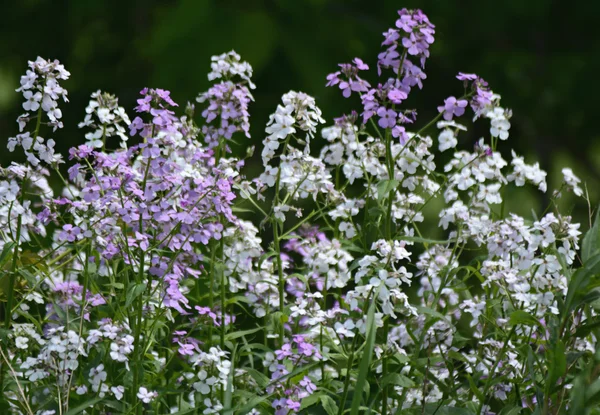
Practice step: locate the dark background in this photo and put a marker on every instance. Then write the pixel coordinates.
(542, 56)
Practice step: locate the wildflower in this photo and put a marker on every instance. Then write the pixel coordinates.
(572, 181)
(145, 395)
(453, 107)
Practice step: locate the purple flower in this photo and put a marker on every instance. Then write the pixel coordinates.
(136, 124)
(391, 37)
(389, 58)
(466, 76)
(279, 406)
(360, 64)
(292, 405)
(453, 107)
(206, 311)
(333, 78)
(81, 152)
(411, 44)
(285, 351)
(69, 233)
(405, 22)
(400, 132)
(387, 117)
(396, 95)
(307, 384)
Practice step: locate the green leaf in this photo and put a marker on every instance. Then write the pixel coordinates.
(585, 329)
(577, 404)
(592, 390)
(579, 283)
(241, 333)
(134, 291)
(384, 187)
(557, 364)
(117, 285)
(431, 409)
(329, 405)
(523, 317)
(252, 404)
(424, 240)
(6, 251)
(431, 312)
(310, 400)
(80, 408)
(591, 240)
(510, 410)
(474, 387)
(261, 379)
(398, 380)
(190, 410)
(365, 362)
(31, 279)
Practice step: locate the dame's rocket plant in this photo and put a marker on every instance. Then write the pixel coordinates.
(141, 288)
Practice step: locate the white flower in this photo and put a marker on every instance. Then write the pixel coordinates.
(205, 384)
(118, 391)
(279, 212)
(348, 229)
(120, 349)
(145, 395)
(22, 342)
(447, 140)
(33, 100)
(212, 408)
(572, 181)
(97, 375)
(346, 329)
(499, 122)
(476, 309)
(523, 172)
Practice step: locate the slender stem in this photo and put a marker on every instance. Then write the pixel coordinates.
(280, 277)
(347, 380)
(488, 382)
(211, 290)
(223, 287)
(13, 276)
(277, 247)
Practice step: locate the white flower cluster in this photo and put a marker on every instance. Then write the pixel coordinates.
(356, 158)
(329, 260)
(41, 91)
(572, 181)
(58, 357)
(121, 341)
(447, 138)
(104, 116)
(297, 110)
(303, 176)
(499, 122)
(385, 276)
(12, 211)
(212, 376)
(525, 173)
(244, 270)
(229, 64)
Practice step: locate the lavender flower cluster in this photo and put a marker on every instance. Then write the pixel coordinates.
(145, 286)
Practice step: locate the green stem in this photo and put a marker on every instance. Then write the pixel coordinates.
(488, 382)
(347, 380)
(281, 281)
(13, 276)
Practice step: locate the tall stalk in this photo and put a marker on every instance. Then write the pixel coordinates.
(277, 247)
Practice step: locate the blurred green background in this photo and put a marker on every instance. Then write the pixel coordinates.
(542, 56)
